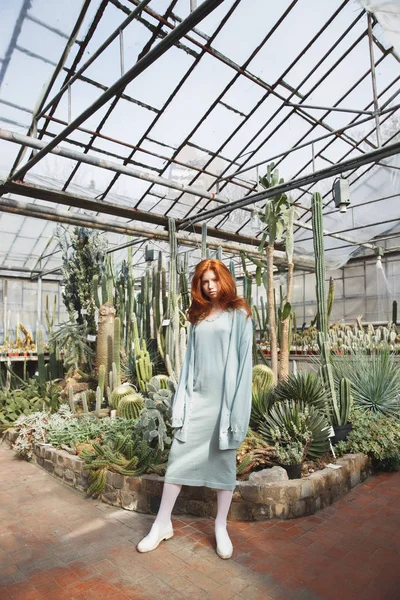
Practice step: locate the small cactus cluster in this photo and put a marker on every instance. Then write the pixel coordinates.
(345, 338)
(126, 456)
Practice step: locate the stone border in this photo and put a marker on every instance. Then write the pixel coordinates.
(252, 500)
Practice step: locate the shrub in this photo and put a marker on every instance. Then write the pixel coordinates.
(377, 436)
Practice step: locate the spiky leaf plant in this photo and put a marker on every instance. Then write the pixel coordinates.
(374, 380)
(288, 414)
(261, 404)
(303, 387)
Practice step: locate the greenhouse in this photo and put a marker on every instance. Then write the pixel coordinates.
(167, 166)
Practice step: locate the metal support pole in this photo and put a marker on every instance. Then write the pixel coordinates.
(69, 105)
(148, 59)
(373, 78)
(121, 51)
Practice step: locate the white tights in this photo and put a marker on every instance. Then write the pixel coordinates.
(171, 493)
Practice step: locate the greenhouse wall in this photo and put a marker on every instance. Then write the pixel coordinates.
(361, 288)
(21, 301)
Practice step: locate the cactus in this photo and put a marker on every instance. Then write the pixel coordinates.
(84, 403)
(99, 399)
(394, 312)
(122, 391)
(154, 419)
(263, 378)
(232, 269)
(345, 401)
(101, 380)
(105, 337)
(117, 351)
(71, 399)
(203, 241)
(318, 239)
(130, 406)
(95, 291)
(40, 351)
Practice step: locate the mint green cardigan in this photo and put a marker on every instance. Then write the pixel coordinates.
(237, 380)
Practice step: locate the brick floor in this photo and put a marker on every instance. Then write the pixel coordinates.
(57, 545)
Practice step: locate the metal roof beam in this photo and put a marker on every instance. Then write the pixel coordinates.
(337, 169)
(139, 67)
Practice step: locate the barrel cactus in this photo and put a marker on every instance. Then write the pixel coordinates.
(120, 392)
(263, 378)
(130, 406)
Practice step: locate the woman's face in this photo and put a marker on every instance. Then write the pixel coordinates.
(210, 285)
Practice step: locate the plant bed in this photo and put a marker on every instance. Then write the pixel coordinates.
(265, 495)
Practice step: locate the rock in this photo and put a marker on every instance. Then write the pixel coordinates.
(268, 475)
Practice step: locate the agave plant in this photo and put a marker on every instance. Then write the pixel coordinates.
(374, 380)
(305, 388)
(262, 401)
(289, 415)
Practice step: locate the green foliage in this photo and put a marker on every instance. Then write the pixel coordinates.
(154, 423)
(374, 380)
(31, 397)
(296, 419)
(276, 213)
(305, 388)
(83, 256)
(33, 428)
(292, 438)
(85, 429)
(376, 435)
(262, 401)
(126, 455)
(72, 339)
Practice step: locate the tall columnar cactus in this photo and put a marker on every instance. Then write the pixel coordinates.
(318, 237)
(105, 337)
(345, 401)
(71, 399)
(275, 218)
(203, 241)
(102, 377)
(40, 351)
(117, 350)
(394, 312)
(144, 369)
(232, 269)
(285, 317)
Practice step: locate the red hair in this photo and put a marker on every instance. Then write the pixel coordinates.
(228, 298)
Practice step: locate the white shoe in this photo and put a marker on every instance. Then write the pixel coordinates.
(154, 537)
(224, 544)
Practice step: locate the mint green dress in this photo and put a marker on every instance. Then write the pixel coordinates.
(199, 461)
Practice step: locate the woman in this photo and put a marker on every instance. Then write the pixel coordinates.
(212, 403)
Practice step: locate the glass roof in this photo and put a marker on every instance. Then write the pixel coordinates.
(303, 83)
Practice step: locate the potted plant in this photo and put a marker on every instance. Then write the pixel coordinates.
(290, 450)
